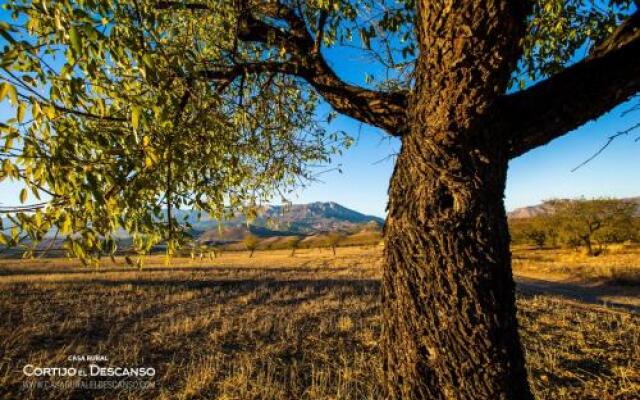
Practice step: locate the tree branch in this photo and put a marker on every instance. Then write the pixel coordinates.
(384, 110)
(322, 20)
(609, 76)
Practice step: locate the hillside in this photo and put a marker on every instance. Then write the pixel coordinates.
(296, 219)
(542, 209)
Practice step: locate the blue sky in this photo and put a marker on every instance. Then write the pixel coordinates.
(541, 174)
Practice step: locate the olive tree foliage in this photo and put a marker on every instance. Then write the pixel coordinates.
(594, 223)
(251, 243)
(540, 230)
(117, 123)
(537, 234)
(293, 243)
(126, 110)
(334, 239)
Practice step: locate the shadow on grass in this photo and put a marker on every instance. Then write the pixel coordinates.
(268, 278)
(528, 287)
(290, 354)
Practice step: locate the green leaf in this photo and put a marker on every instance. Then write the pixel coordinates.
(135, 116)
(8, 89)
(4, 89)
(23, 196)
(13, 95)
(147, 61)
(76, 43)
(7, 168)
(66, 225)
(21, 110)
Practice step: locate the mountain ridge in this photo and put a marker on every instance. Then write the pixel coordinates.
(285, 220)
(542, 209)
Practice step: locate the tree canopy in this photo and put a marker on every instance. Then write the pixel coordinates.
(126, 110)
(594, 223)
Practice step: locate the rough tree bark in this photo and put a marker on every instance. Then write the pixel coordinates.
(448, 294)
(449, 301)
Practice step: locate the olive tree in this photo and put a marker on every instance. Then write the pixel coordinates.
(594, 223)
(537, 235)
(334, 239)
(154, 105)
(250, 243)
(293, 243)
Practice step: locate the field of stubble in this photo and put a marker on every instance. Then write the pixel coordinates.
(280, 327)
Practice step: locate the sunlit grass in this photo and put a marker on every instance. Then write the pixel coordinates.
(620, 264)
(275, 327)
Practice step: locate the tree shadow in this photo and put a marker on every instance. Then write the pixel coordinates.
(592, 294)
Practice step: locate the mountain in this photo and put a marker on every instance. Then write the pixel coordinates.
(542, 209)
(529, 212)
(295, 219)
(273, 221)
(314, 217)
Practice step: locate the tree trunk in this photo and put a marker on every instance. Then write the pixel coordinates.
(587, 241)
(448, 292)
(450, 328)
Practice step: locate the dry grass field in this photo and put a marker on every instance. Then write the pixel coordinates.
(303, 327)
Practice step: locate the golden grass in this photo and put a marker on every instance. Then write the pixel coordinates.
(619, 265)
(270, 327)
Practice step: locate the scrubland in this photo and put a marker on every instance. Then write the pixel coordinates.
(304, 327)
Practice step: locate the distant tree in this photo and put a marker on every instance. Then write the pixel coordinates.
(216, 250)
(571, 240)
(250, 242)
(593, 223)
(334, 239)
(517, 228)
(617, 232)
(536, 231)
(293, 244)
(542, 230)
(537, 235)
(552, 232)
(636, 230)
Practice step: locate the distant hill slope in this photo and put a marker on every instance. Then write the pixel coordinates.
(541, 209)
(236, 233)
(273, 221)
(529, 212)
(294, 219)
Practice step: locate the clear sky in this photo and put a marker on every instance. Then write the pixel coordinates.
(541, 174)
